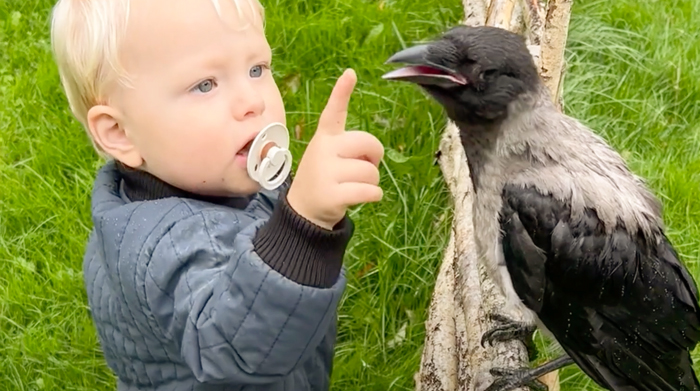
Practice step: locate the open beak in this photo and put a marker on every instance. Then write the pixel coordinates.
(421, 71)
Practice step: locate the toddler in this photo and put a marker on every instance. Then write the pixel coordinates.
(196, 277)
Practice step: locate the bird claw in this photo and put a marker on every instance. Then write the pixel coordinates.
(508, 330)
(512, 378)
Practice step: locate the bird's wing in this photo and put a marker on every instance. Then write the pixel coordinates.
(624, 307)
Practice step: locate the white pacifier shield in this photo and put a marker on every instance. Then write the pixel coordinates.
(264, 170)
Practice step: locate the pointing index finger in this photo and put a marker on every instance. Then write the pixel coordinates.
(334, 115)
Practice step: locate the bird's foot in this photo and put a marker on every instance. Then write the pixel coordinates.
(509, 330)
(511, 378)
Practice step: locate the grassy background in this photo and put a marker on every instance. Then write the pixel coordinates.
(634, 75)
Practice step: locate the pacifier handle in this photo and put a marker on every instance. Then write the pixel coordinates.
(269, 159)
(272, 173)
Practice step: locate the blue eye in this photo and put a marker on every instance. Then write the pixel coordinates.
(205, 86)
(256, 71)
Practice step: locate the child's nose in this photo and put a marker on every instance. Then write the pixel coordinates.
(248, 105)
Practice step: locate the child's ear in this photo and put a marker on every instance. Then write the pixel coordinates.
(105, 125)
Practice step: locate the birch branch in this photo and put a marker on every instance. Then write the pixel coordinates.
(554, 45)
(453, 358)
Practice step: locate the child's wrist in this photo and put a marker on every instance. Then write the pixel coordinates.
(298, 206)
(300, 249)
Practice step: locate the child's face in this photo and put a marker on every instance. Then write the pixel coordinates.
(202, 90)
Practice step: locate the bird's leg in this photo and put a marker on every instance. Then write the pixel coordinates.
(511, 378)
(509, 330)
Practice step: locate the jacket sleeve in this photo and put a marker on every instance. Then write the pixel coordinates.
(246, 306)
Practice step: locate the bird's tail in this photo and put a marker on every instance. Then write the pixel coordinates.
(622, 370)
(688, 379)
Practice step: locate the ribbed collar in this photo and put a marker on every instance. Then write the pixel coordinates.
(140, 185)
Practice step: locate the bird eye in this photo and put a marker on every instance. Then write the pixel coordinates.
(489, 72)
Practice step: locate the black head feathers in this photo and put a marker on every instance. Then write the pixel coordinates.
(474, 72)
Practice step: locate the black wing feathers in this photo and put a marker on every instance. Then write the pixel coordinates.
(621, 305)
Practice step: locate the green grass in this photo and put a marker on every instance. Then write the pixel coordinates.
(634, 75)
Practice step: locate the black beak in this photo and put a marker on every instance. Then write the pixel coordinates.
(422, 71)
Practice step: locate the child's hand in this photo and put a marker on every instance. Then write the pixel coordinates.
(339, 168)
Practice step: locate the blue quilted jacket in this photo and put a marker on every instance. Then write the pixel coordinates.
(194, 293)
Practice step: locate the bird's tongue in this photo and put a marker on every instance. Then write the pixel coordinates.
(415, 73)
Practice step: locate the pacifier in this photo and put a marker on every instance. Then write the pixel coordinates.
(269, 159)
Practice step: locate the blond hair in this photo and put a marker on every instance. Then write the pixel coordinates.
(85, 37)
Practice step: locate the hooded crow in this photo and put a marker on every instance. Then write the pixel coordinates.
(572, 237)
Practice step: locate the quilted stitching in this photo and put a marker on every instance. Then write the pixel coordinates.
(181, 301)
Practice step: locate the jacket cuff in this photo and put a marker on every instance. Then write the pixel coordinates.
(301, 250)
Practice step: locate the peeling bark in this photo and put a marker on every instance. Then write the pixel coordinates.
(440, 352)
(500, 13)
(453, 358)
(475, 11)
(553, 45)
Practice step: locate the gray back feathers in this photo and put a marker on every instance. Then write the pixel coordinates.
(537, 145)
